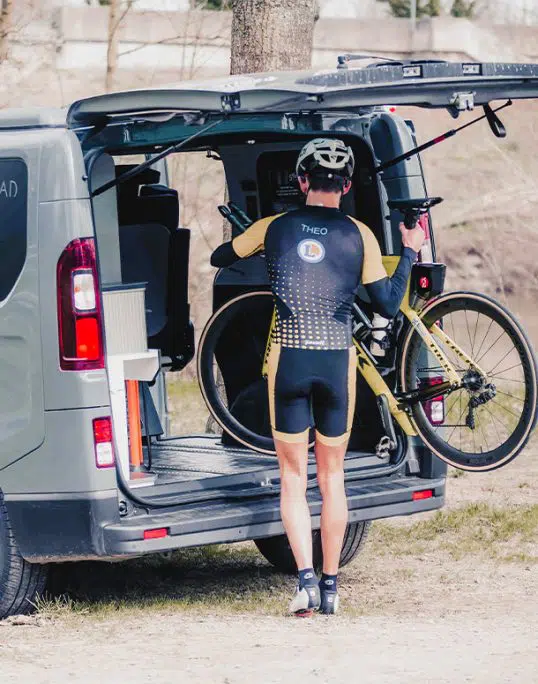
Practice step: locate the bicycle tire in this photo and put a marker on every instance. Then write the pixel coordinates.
(215, 404)
(412, 344)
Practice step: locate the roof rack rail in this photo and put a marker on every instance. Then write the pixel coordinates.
(344, 59)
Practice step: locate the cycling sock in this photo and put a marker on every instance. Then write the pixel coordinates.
(307, 578)
(328, 582)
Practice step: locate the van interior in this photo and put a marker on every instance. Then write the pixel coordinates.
(141, 239)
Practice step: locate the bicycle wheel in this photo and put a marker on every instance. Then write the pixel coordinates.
(233, 346)
(485, 424)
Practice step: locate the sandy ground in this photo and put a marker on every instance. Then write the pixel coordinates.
(169, 649)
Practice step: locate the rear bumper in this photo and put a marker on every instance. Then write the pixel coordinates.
(90, 528)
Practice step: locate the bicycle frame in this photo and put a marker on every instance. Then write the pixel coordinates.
(398, 404)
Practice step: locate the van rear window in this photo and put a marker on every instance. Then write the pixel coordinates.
(13, 219)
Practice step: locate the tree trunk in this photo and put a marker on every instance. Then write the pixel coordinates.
(112, 44)
(5, 26)
(272, 35)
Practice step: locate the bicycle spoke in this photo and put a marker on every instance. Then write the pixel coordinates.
(469, 332)
(459, 418)
(490, 348)
(483, 433)
(485, 336)
(505, 370)
(494, 425)
(507, 410)
(503, 358)
(512, 396)
(474, 336)
(473, 432)
(505, 426)
(521, 382)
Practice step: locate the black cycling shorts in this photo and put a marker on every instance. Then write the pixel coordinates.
(311, 387)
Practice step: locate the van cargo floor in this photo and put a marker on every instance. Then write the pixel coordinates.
(195, 458)
(187, 459)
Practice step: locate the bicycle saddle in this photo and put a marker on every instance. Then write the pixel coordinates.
(413, 208)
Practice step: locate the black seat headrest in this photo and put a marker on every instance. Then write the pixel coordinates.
(159, 204)
(128, 192)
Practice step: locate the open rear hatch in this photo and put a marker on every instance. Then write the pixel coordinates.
(456, 86)
(202, 468)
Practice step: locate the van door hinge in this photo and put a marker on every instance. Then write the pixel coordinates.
(462, 102)
(230, 102)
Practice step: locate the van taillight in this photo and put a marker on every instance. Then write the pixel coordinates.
(80, 330)
(102, 440)
(434, 408)
(426, 251)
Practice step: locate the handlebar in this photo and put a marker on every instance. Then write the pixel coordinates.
(412, 209)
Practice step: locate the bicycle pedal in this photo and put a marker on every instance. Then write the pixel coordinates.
(384, 447)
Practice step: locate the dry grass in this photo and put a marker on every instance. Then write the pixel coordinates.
(229, 579)
(476, 529)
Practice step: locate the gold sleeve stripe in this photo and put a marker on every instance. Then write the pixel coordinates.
(372, 266)
(251, 241)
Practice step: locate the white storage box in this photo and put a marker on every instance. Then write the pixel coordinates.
(125, 318)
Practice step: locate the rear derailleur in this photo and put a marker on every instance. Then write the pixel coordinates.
(487, 394)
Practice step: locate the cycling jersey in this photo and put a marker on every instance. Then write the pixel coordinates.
(316, 258)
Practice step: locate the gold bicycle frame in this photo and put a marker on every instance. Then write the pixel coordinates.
(367, 367)
(368, 370)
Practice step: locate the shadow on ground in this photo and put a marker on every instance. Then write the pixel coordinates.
(234, 576)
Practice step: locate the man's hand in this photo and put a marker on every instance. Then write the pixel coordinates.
(413, 238)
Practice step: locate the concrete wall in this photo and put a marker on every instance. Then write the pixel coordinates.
(193, 42)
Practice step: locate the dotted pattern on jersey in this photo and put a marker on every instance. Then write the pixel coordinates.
(313, 276)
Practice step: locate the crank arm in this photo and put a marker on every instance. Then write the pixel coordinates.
(415, 396)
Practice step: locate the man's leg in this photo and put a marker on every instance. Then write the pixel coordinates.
(334, 405)
(293, 462)
(334, 513)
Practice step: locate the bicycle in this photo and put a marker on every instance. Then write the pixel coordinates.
(474, 404)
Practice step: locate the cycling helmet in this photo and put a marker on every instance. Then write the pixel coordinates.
(326, 155)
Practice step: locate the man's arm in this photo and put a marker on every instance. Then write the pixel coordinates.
(386, 293)
(248, 243)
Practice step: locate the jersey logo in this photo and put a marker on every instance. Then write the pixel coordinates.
(311, 251)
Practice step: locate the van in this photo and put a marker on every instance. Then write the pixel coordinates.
(94, 311)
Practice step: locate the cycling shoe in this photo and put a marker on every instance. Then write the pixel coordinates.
(305, 601)
(329, 601)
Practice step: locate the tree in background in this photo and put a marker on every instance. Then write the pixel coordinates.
(117, 9)
(5, 26)
(430, 8)
(460, 8)
(270, 35)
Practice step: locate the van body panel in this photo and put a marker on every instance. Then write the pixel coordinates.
(56, 528)
(88, 526)
(64, 462)
(22, 427)
(60, 222)
(62, 174)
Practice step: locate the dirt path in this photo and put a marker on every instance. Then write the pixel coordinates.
(171, 649)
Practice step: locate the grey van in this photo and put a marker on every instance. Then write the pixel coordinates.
(85, 237)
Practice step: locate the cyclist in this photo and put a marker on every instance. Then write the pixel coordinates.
(316, 258)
